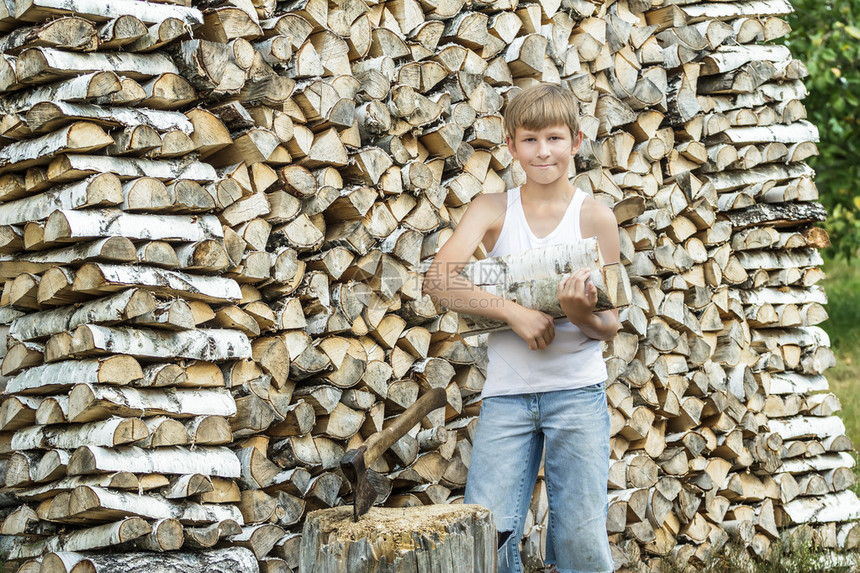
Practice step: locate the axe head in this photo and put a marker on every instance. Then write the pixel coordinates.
(353, 465)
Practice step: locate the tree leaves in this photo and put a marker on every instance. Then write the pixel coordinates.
(825, 37)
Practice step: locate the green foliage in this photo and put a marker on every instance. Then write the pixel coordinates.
(843, 307)
(826, 37)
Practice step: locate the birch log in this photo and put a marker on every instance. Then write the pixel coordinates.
(103, 504)
(200, 344)
(78, 137)
(533, 282)
(71, 33)
(214, 560)
(148, 12)
(48, 115)
(112, 249)
(95, 191)
(211, 461)
(38, 65)
(97, 537)
(73, 167)
(69, 225)
(112, 432)
(88, 402)
(118, 370)
(112, 309)
(80, 88)
(98, 278)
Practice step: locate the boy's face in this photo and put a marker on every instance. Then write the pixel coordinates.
(544, 153)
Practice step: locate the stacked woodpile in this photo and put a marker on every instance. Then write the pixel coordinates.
(213, 224)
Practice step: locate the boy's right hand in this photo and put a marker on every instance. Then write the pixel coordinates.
(533, 326)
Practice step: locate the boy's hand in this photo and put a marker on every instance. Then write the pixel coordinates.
(577, 295)
(533, 326)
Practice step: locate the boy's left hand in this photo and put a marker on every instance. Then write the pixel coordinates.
(577, 295)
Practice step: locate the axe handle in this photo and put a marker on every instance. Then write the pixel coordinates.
(381, 441)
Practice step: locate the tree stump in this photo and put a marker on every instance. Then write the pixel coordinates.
(438, 538)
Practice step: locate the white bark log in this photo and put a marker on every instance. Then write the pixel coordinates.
(807, 426)
(787, 296)
(94, 402)
(818, 464)
(38, 64)
(111, 249)
(81, 88)
(98, 278)
(107, 310)
(731, 180)
(44, 114)
(178, 460)
(770, 260)
(61, 375)
(102, 189)
(67, 484)
(728, 58)
(8, 315)
(146, 12)
(805, 336)
(797, 132)
(97, 537)
(228, 560)
(78, 137)
(199, 344)
(70, 225)
(842, 506)
(533, 281)
(518, 269)
(97, 501)
(71, 33)
(110, 433)
(793, 383)
(731, 10)
(74, 166)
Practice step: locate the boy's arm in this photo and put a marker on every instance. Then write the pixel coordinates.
(444, 283)
(577, 295)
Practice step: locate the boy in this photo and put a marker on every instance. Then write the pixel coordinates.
(545, 380)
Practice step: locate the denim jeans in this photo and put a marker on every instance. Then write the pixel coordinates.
(505, 460)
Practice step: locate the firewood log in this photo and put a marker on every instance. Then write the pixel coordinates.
(113, 432)
(83, 87)
(39, 10)
(87, 402)
(112, 370)
(99, 278)
(159, 34)
(70, 33)
(239, 558)
(93, 538)
(37, 65)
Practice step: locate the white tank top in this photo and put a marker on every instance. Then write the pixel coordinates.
(572, 360)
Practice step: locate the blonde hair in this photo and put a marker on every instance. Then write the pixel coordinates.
(542, 105)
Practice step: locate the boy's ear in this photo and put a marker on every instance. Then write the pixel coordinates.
(511, 147)
(577, 143)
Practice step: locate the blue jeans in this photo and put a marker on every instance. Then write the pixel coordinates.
(506, 456)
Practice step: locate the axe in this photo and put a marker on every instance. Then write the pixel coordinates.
(355, 462)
